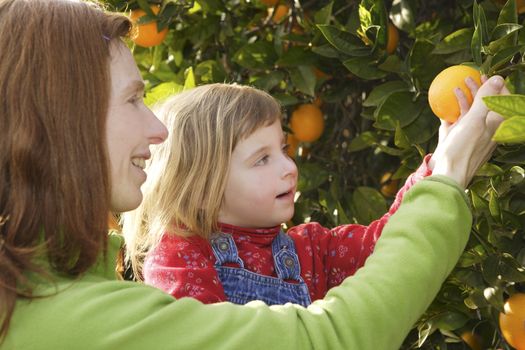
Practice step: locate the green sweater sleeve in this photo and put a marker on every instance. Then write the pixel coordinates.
(374, 309)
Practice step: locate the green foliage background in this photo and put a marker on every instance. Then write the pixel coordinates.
(377, 117)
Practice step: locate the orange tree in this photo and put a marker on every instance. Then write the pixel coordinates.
(371, 84)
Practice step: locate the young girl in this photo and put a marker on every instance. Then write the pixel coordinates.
(217, 193)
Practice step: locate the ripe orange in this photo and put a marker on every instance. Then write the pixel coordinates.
(393, 38)
(512, 322)
(307, 122)
(292, 145)
(389, 186)
(441, 95)
(280, 13)
(147, 35)
(270, 2)
(473, 340)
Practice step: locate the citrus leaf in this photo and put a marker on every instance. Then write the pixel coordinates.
(456, 41)
(400, 108)
(511, 131)
(364, 68)
(508, 105)
(344, 41)
(369, 204)
(161, 92)
(381, 92)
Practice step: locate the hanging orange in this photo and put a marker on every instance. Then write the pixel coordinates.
(307, 122)
(147, 34)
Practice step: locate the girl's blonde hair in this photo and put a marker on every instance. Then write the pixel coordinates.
(187, 173)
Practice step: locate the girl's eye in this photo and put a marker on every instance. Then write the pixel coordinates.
(285, 148)
(262, 161)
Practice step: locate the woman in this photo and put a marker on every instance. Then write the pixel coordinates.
(74, 136)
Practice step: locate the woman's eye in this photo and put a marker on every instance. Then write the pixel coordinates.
(262, 161)
(135, 100)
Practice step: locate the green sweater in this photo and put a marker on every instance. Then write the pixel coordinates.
(375, 309)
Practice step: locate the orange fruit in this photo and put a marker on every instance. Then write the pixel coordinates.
(512, 322)
(393, 38)
(472, 340)
(147, 34)
(441, 95)
(293, 143)
(307, 122)
(280, 13)
(389, 186)
(270, 2)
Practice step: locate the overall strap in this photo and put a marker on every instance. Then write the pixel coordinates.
(285, 258)
(225, 250)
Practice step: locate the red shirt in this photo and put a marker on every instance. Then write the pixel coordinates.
(184, 267)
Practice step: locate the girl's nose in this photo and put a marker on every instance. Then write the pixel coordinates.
(289, 167)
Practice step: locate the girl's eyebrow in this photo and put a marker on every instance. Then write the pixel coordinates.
(254, 155)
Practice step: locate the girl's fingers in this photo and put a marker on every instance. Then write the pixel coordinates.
(464, 105)
(493, 86)
(493, 121)
(472, 85)
(483, 79)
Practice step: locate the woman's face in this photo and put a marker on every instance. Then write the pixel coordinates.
(131, 129)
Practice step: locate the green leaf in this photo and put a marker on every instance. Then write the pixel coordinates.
(369, 204)
(365, 140)
(423, 64)
(161, 92)
(303, 78)
(295, 56)
(268, 81)
(511, 131)
(508, 13)
(311, 176)
(210, 72)
(258, 55)
(400, 138)
(393, 64)
(323, 15)
(516, 82)
(503, 57)
(494, 208)
(381, 92)
(286, 99)
(456, 41)
(344, 41)
(506, 105)
(402, 15)
(326, 51)
(507, 36)
(423, 128)
(400, 108)
(189, 81)
(364, 68)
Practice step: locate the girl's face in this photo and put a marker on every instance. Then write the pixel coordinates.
(261, 183)
(131, 128)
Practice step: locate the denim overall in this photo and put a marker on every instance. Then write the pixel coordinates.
(241, 285)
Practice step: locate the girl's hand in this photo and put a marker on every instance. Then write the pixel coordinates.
(465, 145)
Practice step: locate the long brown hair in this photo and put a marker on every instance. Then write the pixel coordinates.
(187, 173)
(54, 173)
